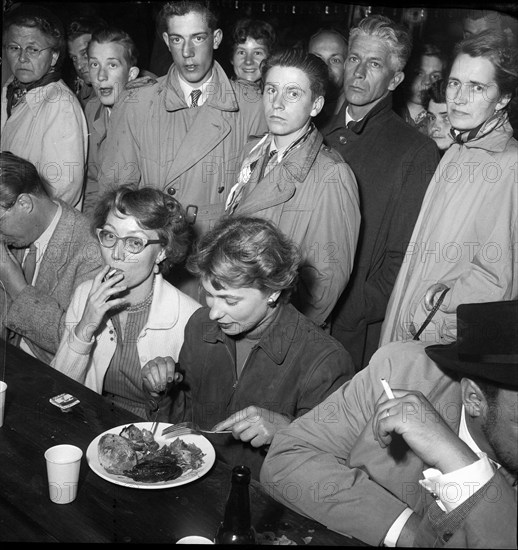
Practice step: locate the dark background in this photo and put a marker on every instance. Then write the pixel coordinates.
(294, 21)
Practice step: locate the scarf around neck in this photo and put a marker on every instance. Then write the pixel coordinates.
(497, 119)
(16, 90)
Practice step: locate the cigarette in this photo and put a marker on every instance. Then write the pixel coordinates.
(387, 389)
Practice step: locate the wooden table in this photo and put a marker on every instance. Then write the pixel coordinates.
(103, 511)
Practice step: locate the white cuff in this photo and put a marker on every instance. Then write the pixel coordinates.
(452, 489)
(394, 532)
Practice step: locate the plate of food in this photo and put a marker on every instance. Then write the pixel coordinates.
(131, 456)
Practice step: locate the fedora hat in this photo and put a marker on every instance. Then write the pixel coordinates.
(487, 343)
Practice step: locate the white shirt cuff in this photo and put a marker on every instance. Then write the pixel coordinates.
(452, 489)
(394, 532)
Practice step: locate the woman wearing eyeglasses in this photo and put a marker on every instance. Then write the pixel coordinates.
(118, 322)
(41, 119)
(463, 247)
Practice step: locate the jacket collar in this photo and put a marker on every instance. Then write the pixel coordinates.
(495, 141)
(221, 97)
(382, 106)
(276, 340)
(165, 306)
(278, 186)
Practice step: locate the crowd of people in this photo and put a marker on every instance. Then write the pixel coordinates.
(254, 251)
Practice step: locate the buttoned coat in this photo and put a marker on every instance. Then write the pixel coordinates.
(393, 164)
(38, 311)
(312, 197)
(155, 139)
(293, 366)
(342, 477)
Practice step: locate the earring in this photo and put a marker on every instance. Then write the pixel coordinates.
(271, 302)
(156, 268)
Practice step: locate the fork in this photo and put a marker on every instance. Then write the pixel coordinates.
(183, 428)
(155, 408)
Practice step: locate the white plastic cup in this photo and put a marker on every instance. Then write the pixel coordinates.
(63, 464)
(194, 539)
(3, 391)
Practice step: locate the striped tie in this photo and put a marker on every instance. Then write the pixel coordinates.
(195, 96)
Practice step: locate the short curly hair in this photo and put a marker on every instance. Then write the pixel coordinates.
(41, 18)
(247, 252)
(154, 210)
(254, 28)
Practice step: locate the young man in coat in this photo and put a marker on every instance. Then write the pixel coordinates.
(393, 164)
(184, 132)
(433, 465)
(304, 187)
(46, 249)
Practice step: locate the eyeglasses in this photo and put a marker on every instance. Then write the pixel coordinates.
(30, 51)
(133, 245)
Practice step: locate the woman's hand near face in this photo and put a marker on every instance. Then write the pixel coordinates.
(254, 424)
(100, 300)
(158, 374)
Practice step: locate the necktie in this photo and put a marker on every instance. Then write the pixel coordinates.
(271, 162)
(29, 266)
(195, 96)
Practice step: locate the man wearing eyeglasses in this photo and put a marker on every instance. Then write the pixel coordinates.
(46, 250)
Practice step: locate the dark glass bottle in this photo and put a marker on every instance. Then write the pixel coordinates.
(236, 527)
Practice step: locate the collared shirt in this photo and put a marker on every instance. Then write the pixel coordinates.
(41, 244)
(349, 118)
(452, 489)
(206, 89)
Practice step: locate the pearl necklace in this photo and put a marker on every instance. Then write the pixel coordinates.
(144, 304)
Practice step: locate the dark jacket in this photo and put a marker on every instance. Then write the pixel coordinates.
(293, 367)
(393, 164)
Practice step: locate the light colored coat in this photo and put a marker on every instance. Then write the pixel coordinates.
(48, 128)
(312, 197)
(155, 139)
(97, 118)
(162, 335)
(465, 237)
(328, 466)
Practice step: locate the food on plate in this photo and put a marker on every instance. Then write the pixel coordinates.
(156, 468)
(134, 453)
(116, 454)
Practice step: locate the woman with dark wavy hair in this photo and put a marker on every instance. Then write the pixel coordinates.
(118, 322)
(251, 362)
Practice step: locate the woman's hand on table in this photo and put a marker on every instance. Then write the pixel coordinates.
(254, 425)
(158, 374)
(100, 300)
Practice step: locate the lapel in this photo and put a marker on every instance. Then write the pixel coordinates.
(57, 253)
(100, 123)
(209, 127)
(280, 184)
